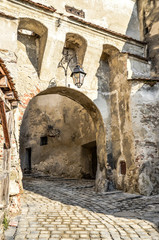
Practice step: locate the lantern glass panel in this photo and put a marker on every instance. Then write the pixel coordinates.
(82, 75)
(76, 77)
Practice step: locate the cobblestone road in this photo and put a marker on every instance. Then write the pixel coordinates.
(70, 209)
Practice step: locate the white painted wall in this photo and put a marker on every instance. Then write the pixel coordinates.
(119, 16)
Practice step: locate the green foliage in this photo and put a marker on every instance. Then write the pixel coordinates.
(5, 222)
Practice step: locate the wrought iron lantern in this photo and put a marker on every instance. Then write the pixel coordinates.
(78, 76)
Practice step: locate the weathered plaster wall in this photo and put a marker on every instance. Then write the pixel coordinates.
(145, 103)
(138, 68)
(10, 172)
(145, 121)
(1, 165)
(1, 148)
(121, 129)
(12, 168)
(27, 63)
(71, 127)
(9, 37)
(125, 22)
(15, 184)
(149, 24)
(56, 41)
(114, 103)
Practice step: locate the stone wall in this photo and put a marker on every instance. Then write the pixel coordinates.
(144, 105)
(149, 24)
(121, 131)
(68, 127)
(144, 108)
(1, 148)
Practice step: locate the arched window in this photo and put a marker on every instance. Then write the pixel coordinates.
(33, 35)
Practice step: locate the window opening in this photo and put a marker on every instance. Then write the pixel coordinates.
(43, 141)
(28, 159)
(123, 168)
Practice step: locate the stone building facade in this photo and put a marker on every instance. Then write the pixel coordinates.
(107, 129)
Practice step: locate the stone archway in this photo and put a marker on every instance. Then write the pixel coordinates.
(93, 111)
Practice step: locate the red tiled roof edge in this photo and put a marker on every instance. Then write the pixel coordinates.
(10, 79)
(105, 30)
(7, 16)
(39, 5)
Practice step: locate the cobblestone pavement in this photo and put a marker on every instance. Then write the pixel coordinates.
(70, 209)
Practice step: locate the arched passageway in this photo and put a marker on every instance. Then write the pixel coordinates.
(62, 134)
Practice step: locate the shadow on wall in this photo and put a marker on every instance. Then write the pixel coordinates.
(142, 104)
(93, 111)
(114, 93)
(33, 35)
(125, 170)
(31, 42)
(54, 132)
(73, 53)
(133, 28)
(78, 44)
